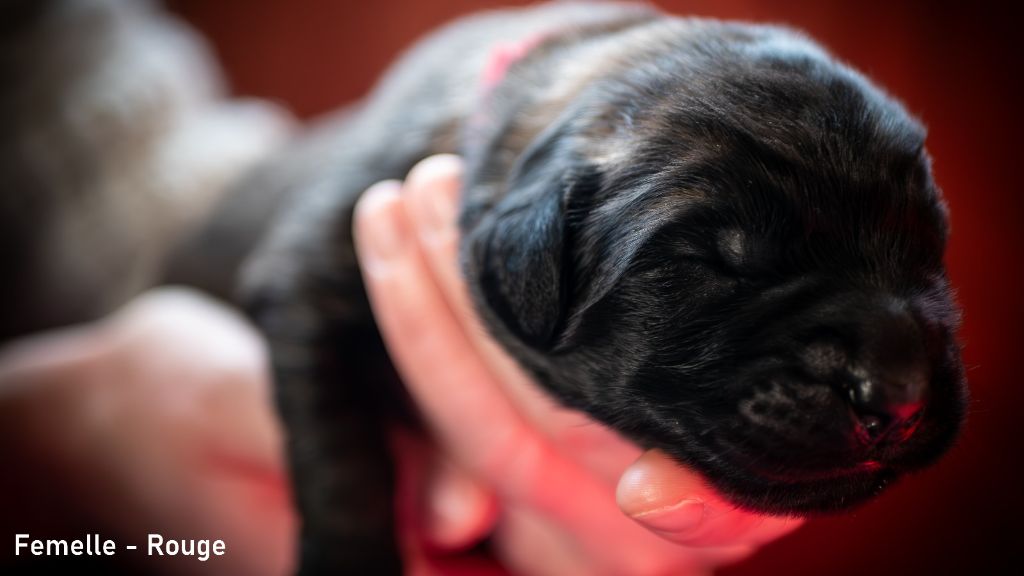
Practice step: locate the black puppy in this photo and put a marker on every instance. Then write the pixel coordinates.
(712, 237)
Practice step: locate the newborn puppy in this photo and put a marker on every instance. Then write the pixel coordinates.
(711, 237)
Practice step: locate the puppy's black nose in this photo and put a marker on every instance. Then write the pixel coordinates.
(888, 383)
(888, 409)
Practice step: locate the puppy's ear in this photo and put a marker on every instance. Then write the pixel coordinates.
(519, 252)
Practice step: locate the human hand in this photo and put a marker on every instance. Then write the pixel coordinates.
(156, 420)
(559, 493)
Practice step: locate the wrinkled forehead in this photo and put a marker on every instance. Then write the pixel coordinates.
(885, 219)
(776, 144)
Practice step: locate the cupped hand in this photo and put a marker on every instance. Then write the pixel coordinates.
(156, 420)
(557, 492)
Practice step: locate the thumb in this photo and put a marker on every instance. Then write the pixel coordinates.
(679, 506)
(662, 496)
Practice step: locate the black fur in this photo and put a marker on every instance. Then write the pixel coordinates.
(712, 237)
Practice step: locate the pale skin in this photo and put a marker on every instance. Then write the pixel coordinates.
(159, 419)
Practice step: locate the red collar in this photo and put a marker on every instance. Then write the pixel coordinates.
(503, 56)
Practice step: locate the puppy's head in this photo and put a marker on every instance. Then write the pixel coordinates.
(732, 250)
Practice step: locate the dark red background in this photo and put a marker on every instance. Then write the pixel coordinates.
(952, 63)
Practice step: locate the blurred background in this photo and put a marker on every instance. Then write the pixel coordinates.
(954, 64)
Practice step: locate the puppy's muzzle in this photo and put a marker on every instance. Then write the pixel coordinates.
(882, 371)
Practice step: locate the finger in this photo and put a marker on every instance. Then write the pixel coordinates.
(453, 387)
(432, 190)
(440, 507)
(676, 504)
(464, 406)
(431, 193)
(421, 333)
(460, 510)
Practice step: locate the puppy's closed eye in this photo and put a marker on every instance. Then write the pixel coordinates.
(732, 247)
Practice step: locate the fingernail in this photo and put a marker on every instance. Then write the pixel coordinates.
(437, 181)
(679, 518)
(443, 207)
(381, 221)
